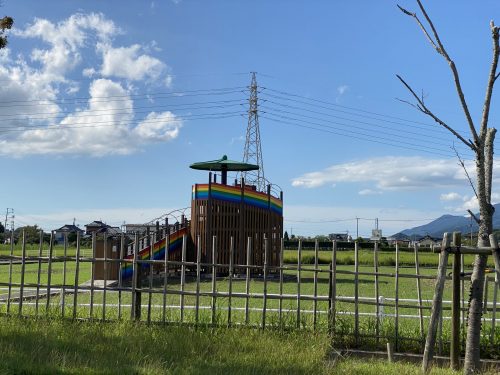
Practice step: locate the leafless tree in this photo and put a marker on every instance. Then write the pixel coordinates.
(481, 143)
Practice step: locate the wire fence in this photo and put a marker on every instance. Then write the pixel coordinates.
(363, 305)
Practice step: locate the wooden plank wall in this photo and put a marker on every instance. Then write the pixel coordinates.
(226, 222)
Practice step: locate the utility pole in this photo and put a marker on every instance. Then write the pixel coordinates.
(253, 151)
(9, 214)
(357, 227)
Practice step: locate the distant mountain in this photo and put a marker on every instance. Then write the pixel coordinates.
(447, 223)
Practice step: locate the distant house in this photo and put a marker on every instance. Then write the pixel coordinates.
(428, 241)
(340, 237)
(99, 227)
(66, 229)
(400, 240)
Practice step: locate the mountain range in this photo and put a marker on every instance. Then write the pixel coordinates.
(447, 223)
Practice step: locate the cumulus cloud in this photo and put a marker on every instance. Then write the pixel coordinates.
(45, 123)
(450, 197)
(390, 173)
(130, 63)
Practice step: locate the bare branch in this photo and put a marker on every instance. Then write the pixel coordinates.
(465, 170)
(410, 104)
(498, 74)
(474, 217)
(427, 35)
(425, 110)
(438, 46)
(491, 80)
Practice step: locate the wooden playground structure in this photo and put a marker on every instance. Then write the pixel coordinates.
(229, 224)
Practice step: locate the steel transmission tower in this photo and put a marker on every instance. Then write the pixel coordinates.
(253, 150)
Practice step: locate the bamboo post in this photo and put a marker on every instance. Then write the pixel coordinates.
(135, 311)
(183, 275)
(299, 267)
(264, 296)
(377, 293)
(63, 292)
(333, 287)
(92, 275)
(120, 279)
(105, 276)
(77, 276)
(49, 273)
(496, 260)
(247, 280)
(356, 293)
(165, 274)
(437, 301)
(315, 302)
(150, 278)
(214, 278)
(9, 293)
(390, 353)
(281, 282)
(419, 293)
(23, 265)
(39, 272)
(230, 286)
(455, 308)
(396, 301)
(198, 276)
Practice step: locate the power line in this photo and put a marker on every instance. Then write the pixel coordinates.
(356, 126)
(359, 136)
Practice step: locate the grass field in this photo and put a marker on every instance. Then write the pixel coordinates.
(55, 346)
(408, 327)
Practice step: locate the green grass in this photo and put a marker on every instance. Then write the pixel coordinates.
(41, 346)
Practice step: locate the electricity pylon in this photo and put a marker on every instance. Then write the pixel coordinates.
(253, 151)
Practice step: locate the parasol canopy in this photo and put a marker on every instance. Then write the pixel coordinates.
(224, 165)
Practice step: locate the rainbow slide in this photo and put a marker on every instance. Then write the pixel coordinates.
(175, 244)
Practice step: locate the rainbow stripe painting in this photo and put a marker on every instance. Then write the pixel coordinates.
(233, 194)
(158, 252)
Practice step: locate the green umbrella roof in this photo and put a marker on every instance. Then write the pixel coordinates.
(224, 164)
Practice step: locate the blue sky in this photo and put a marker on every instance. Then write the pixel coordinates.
(107, 103)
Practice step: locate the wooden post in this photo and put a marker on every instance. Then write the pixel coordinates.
(49, 273)
(496, 260)
(377, 293)
(299, 267)
(135, 311)
(390, 353)
(419, 293)
(40, 249)
(23, 264)
(198, 279)
(455, 307)
(356, 293)
(437, 301)
(396, 301)
(214, 278)
(333, 287)
(247, 280)
(77, 276)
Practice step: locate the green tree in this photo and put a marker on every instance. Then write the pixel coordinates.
(5, 24)
(31, 233)
(285, 236)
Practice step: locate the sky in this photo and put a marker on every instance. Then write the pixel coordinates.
(105, 104)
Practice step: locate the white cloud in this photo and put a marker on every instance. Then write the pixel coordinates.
(342, 89)
(65, 40)
(48, 125)
(369, 192)
(159, 127)
(450, 197)
(129, 63)
(390, 173)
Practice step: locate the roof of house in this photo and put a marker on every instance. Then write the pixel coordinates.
(97, 223)
(69, 228)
